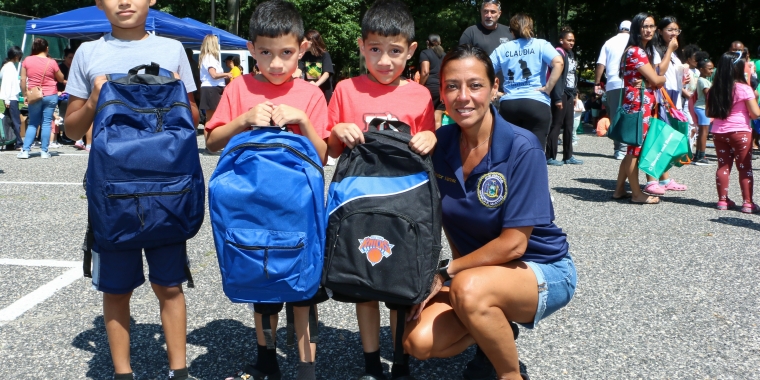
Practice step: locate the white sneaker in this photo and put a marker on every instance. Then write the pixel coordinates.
(54, 145)
(23, 154)
(44, 155)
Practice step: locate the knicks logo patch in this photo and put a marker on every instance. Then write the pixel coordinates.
(492, 189)
(375, 248)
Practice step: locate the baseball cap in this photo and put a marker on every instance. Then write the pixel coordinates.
(625, 25)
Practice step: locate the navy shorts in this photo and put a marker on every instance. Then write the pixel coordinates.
(120, 272)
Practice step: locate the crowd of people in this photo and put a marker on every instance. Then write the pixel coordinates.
(508, 97)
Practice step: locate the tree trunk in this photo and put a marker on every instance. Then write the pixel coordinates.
(232, 15)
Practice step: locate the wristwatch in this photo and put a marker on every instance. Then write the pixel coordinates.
(443, 269)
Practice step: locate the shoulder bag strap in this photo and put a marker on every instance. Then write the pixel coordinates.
(42, 79)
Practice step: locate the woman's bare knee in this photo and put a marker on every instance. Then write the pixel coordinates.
(419, 343)
(467, 295)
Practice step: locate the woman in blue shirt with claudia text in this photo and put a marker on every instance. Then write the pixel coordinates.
(528, 90)
(510, 261)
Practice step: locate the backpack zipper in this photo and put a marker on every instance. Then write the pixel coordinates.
(266, 251)
(157, 111)
(137, 197)
(279, 145)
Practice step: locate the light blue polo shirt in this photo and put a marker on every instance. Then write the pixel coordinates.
(524, 64)
(509, 188)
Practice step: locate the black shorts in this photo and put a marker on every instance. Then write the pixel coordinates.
(349, 299)
(274, 308)
(210, 97)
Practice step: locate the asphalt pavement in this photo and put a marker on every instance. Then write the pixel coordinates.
(665, 291)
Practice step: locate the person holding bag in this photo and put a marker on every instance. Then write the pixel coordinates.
(39, 75)
(639, 99)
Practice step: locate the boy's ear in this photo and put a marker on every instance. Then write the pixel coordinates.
(251, 48)
(303, 48)
(412, 49)
(360, 42)
(99, 4)
(152, 2)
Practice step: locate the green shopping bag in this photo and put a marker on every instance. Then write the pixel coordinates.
(680, 126)
(662, 146)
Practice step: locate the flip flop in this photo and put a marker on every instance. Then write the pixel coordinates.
(650, 201)
(626, 196)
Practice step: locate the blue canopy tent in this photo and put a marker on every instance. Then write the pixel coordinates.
(90, 23)
(227, 40)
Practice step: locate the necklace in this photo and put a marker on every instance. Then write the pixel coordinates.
(462, 139)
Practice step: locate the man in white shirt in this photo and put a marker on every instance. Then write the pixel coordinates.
(609, 64)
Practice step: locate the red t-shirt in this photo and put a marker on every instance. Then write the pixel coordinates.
(35, 65)
(247, 92)
(359, 100)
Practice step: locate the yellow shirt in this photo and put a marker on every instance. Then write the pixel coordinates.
(235, 72)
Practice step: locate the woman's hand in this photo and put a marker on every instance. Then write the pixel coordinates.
(416, 310)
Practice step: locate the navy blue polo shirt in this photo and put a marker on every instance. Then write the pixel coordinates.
(508, 188)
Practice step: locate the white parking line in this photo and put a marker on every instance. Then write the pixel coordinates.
(42, 293)
(39, 183)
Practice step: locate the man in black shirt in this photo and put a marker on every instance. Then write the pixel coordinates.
(488, 34)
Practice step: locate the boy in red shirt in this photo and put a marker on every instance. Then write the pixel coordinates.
(387, 42)
(277, 43)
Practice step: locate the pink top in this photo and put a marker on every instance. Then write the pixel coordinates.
(34, 66)
(738, 119)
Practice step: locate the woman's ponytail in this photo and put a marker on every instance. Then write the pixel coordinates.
(434, 41)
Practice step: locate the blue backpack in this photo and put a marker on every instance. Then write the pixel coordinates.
(144, 180)
(267, 207)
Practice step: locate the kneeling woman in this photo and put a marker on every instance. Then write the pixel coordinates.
(511, 263)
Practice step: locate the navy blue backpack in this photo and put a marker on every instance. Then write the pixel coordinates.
(267, 207)
(144, 180)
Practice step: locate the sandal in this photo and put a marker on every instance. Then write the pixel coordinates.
(650, 201)
(725, 205)
(654, 188)
(251, 373)
(750, 208)
(674, 186)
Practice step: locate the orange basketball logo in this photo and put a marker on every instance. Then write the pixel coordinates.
(375, 248)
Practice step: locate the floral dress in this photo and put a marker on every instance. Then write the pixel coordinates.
(636, 57)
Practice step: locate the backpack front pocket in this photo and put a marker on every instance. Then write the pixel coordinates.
(264, 259)
(150, 211)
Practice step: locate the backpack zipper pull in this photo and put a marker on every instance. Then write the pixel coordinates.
(266, 261)
(159, 121)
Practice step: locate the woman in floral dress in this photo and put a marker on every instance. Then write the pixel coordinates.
(635, 67)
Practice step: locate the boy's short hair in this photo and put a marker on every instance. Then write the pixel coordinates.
(275, 18)
(388, 18)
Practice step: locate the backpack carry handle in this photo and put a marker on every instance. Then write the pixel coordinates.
(378, 124)
(152, 69)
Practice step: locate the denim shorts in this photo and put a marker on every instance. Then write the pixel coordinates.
(702, 118)
(556, 286)
(120, 272)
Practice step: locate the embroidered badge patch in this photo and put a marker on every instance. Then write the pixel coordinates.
(375, 248)
(492, 189)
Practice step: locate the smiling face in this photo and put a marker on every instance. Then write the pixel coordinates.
(277, 57)
(707, 70)
(386, 57)
(489, 15)
(125, 14)
(466, 91)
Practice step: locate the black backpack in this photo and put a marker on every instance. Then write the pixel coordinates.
(384, 223)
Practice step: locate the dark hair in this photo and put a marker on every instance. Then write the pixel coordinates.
(702, 58)
(659, 42)
(318, 46)
(521, 26)
(634, 38)
(39, 46)
(235, 61)
(13, 53)
(688, 51)
(388, 18)
(67, 51)
(494, 2)
(467, 51)
(275, 18)
(435, 44)
(720, 98)
(564, 31)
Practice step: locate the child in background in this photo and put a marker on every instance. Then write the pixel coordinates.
(732, 104)
(578, 110)
(705, 67)
(233, 63)
(603, 125)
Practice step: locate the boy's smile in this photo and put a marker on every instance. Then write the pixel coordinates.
(277, 57)
(386, 56)
(127, 17)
